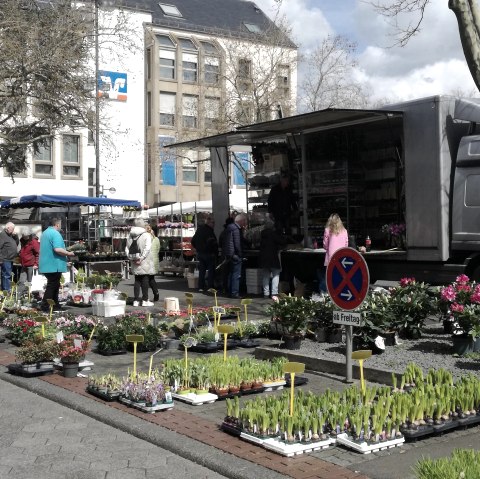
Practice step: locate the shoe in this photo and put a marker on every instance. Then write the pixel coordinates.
(200, 290)
(136, 303)
(156, 298)
(147, 303)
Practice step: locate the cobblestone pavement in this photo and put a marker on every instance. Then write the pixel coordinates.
(42, 439)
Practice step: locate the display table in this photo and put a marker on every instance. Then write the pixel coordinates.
(113, 266)
(303, 264)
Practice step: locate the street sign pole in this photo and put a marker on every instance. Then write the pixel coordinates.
(348, 280)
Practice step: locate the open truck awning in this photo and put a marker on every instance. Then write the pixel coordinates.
(45, 201)
(292, 125)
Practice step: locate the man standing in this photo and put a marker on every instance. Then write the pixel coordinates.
(8, 252)
(53, 261)
(281, 204)
(233, 251)
(205, 243)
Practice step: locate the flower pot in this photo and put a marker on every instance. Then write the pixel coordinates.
(334, 336)
(321, 334)
(448, 326)
(462, 344)
(292, 342)
(70, 370)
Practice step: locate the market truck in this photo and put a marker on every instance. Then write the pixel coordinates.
(416, 169)
(411, 169)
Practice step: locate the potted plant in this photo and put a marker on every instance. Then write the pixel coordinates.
(292, 314)
(323, 319)
(111, 339)
(37, 354)
(466, 333)
(411, 303)
(72, 350)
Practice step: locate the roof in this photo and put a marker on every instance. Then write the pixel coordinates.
(292, 125)
(222, 17)
(30, 201)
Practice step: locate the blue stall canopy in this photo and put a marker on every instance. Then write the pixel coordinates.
(44, 201)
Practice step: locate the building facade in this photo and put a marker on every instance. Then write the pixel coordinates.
(190, 69)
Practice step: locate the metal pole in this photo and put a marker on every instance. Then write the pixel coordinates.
(304, 192)
(349, 337)
(97, 105)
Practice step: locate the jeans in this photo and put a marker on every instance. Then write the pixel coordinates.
(26, 275)
(52, 288)
(234, 277)
(141, 282)
(6, 275)
(275, 273)
(206, 262)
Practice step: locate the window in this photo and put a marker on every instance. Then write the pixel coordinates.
(189, 168)
(43, 160)
(170, 10)
(91, 127)
(207, 166)
(212, 113)
(283, 81)
(92, 191)
(71, 155)
(262, 114)
(149, 163)
(148, 60)
(190, 111)
(252, 28)
(211, 66)
(167, 109)
(166, 57)
(149, 108)
(244, 69)
(168, 161)
(189, 60)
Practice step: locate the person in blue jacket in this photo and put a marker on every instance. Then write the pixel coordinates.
(52, 261)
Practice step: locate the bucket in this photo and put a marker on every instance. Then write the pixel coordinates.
(192, 281)
(109, 295)
(171, 304)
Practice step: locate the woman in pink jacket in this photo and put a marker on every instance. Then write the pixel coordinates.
(334, 237)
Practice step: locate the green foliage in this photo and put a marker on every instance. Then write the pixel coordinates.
(111, 338)
(37, 350)
(463, 463)
(293, 313)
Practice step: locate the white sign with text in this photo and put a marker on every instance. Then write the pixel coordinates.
(347, 318)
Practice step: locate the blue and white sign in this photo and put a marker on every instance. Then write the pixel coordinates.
(112, 85)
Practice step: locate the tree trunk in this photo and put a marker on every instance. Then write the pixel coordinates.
(468, 18)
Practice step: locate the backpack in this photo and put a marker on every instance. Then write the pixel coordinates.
(134, 251)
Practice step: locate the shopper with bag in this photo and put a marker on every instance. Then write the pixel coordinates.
(138, 250)
(29, 253)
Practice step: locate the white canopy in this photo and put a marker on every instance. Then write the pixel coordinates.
(188, 207)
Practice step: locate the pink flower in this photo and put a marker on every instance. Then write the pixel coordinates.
(457, 308)
(462, 279)
(464, 287)
(406, 281)
(475, 298)
(448, 293)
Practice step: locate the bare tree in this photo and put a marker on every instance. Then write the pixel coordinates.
(468, 18)
(47, 76)
(328, 78)
(258, 75)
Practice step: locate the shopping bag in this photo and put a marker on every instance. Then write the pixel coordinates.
(38, 282)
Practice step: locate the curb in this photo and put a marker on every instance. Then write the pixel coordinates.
(220, 462)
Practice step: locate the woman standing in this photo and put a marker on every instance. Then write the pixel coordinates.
(334, 238)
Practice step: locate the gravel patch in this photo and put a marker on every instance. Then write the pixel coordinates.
(432, 350)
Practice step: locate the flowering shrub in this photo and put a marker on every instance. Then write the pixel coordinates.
(37, 350)
(142, 388)
(411, 302)
(460, 300)
(70, 352)
(80, 324)
(22, 329)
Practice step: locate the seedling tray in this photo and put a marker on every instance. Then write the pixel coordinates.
(365, 448)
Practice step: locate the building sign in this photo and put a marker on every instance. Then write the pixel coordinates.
(112, 85)
(168, 161)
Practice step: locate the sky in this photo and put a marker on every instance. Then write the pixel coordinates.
(432, 63)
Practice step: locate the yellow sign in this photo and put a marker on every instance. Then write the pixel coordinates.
(361, 354)
(134, 338)
(293, 367)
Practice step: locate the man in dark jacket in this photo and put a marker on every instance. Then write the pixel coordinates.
(232, 248)
(281, 204)
(271, 243)
(205, 243)
(8, 252)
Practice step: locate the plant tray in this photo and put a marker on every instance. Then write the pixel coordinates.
(299, 381)
(468, 421)
(446, 426)
(196, 399)
(274, 386)
(203, 348)
(228, 428)
(107, 352)
(18, 370)
(251, 343)
(294, 449)
(147, 409)
(365, 448)
(246, 392)
(221, 397)
(105, 396)
(254, 439)
(414, 434)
